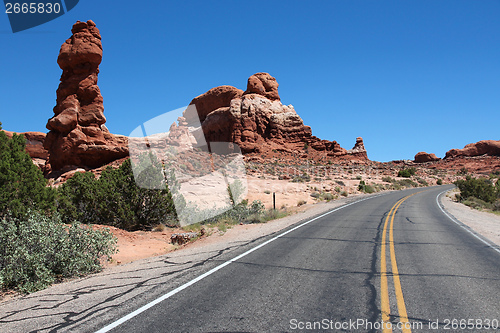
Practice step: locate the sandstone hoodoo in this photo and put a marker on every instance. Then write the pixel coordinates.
(423, 157)
(78, 136)
(259, 123)
(484, 147)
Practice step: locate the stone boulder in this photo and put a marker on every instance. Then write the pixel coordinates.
(77, 134)
(263, 84)
(423, 157)
(484, 147)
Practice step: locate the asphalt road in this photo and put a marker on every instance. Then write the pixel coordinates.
(328, 275)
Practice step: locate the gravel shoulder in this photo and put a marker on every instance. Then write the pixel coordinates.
(483, 223)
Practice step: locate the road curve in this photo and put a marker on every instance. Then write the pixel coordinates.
(394, 262)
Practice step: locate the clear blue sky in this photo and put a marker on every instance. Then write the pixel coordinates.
(407, 76)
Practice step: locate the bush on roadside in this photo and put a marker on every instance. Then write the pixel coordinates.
(480, 188)
(38, 250)
(22, 185)
(363, 187)
(477, 203)
(115, 199)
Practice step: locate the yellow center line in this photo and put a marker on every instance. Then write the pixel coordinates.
(403, 316)
(384, 289)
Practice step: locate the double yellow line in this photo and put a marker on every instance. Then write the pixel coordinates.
(384, 297)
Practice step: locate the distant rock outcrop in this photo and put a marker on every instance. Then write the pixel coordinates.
(423, 157)
(77, 134)
(484, 147)
(258, 122)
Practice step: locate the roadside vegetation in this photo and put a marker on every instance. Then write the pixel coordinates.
(480, 193)
(47, 234)
(37, 247)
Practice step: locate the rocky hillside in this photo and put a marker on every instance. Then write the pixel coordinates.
(480, 157)
(259, 123)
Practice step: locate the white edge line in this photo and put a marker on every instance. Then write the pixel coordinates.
(215, 269)
(463, 226)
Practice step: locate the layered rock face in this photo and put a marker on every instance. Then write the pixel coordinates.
(77, 134)
(484, 147)
(258, 122)
(423, 157)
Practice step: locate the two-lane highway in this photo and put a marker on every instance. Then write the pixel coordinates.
(394, 258)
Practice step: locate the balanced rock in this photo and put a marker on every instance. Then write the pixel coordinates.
(484, 147)
(423, 157)
(77, 134)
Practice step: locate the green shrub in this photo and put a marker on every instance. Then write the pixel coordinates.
(439, 182)
(406, 183)
(301, 202)
(365, 188)
(387, 179)
(496, 205)
(407, 173)
(38, 250)
(422, 181)
(344, 194)
(22, 185)
(369, 189)
(480, 188)
(477, 203)
(327, 196)
(315, 195)
(115, 199)
(361, 186)
(304, 178)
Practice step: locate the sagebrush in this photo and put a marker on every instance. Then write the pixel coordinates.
(38, 250)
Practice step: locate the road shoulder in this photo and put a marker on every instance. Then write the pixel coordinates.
(483, 223)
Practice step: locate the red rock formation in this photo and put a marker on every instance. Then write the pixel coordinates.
(34, 146)
(34, 143)
(215, 98)
(423, 157)
(484, 147)
(77, 134)
(263, 84)
(258, 122)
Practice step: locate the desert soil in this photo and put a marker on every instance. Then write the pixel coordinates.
(485, 224)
